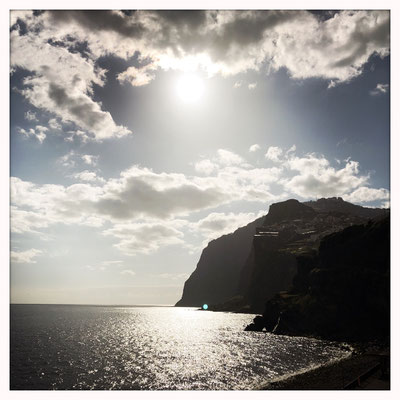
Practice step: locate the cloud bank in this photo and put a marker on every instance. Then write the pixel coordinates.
(143, 210)
(61, 49)
(25, 257)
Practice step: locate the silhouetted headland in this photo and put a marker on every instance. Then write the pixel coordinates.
(241, 271)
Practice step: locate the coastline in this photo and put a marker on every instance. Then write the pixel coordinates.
(360, 370)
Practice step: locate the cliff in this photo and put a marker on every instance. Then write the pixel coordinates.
(215, 279)
(341, 291)
(241, 271)
(291, 228)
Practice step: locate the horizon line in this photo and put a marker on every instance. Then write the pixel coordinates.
(91, 304)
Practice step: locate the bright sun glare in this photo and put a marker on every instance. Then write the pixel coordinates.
(190, 88)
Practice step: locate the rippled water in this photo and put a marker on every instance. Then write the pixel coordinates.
(150, 348)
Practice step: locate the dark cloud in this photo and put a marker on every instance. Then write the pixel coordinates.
(80, 107)
(340, 42)
(139, 196)
(181, 29)
(100, 20)
(249, 27)
(20, 26)
(324, 15)
(183, 18)
(362, 37)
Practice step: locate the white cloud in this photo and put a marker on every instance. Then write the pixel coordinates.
(237, 84)
(128, 272)
(334, 49)
(309, 163)
(61, 82)
(223, 159)
(144, 238)
(90, 159)
(273, 153)
(37, 206)
(252, 86)
(53, 124)
(218, 224)
(248, 183)
(385, 204)
(138, 76)
(226, 157)
(67, 160)
(38, 133)
(73, 159)
(154, 201)
(205, 166)
(88, 176)
(23, 15)
(381, 88)
(219, 42)
(291, 150)
(141, 192)
(366, 194)
(253, 148)
(315, 177)
(30, 116)
(25, 257)
(26, 221)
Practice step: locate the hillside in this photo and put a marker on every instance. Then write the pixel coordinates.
(341, 291)
(241, 271)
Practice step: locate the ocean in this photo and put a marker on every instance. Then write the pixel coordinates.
(58, 347)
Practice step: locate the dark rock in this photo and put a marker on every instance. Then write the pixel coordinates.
(253, 328)
(284, 249)
(257, 325)
(348, 294)
(337, 204)
(243, 270)
(217, 274)
(288, 210)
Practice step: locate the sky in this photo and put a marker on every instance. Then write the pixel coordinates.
(138, 137)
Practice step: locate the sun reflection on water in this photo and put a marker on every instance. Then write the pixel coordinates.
(166, 348)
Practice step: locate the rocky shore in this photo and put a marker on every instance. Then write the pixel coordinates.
(366, 368)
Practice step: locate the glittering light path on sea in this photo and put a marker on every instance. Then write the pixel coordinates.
(67, 347)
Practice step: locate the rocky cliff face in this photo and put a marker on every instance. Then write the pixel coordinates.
(291, 228)
(215, 279)
(241, 271)
(341, 291)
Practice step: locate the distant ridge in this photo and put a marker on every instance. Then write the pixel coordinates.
(337, 204)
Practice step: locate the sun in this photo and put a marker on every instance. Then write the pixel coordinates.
(190, 88)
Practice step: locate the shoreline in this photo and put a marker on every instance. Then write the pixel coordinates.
(359, 370)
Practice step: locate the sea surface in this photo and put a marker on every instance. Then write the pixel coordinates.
(150, 348)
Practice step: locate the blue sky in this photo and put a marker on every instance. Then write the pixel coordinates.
(121, 174)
